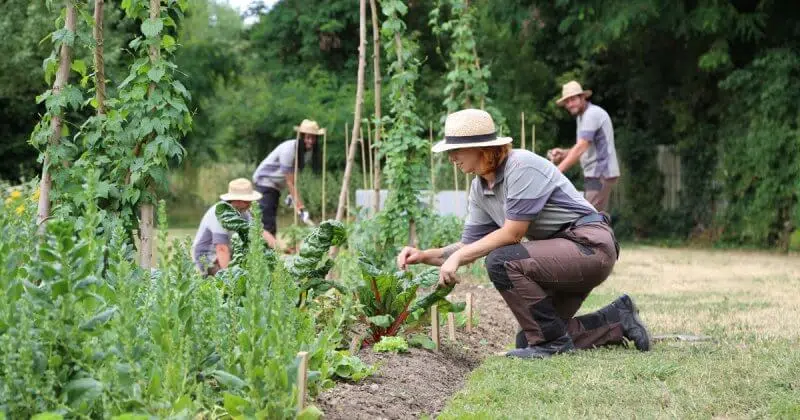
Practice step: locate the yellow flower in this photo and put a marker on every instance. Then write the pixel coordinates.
(35, 196)
(15, 195)
(20, 209)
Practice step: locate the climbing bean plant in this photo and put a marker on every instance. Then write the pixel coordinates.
(466, 77)
(402, 146)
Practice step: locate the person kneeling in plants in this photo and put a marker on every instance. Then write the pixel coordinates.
(212, 249)
(570, 247)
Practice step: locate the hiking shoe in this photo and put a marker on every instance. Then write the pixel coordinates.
(632, 326)
(544, 350)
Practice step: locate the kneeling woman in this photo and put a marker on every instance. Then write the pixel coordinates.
(570, 249)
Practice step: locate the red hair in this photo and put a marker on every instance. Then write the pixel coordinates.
(492, 157)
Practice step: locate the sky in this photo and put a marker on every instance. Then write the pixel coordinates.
(242, 5)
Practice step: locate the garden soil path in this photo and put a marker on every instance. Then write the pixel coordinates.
(420, 382)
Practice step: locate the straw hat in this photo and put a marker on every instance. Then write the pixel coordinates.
(570, 89)
(469, 128)
(240, 189)
(310, 127)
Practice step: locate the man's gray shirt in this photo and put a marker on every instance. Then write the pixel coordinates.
(527, 187)
(600, 160)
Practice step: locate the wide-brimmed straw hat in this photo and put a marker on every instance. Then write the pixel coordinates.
(240, 189)
(570, 89)
(310, 127)
(469, 128)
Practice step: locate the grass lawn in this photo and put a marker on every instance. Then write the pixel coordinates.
(748, 302)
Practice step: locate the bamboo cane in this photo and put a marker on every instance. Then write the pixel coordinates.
(324, 168)
(363, 161)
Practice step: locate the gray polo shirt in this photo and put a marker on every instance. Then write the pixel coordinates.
(271, 172)
(209, 235)
(600, 160)
(527, 187)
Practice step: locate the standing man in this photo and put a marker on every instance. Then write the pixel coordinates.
(594, 146)
(212, 249)
(277, 171)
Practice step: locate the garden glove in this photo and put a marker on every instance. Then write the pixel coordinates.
(305, 217)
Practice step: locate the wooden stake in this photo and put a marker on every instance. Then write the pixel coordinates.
(533, 138)
(370, 153)
(451, 326)
(302, 378)
(376, 76)
(433, 169)
(324, 170)
(297, 150)
(351, 150)
(435, 326)
(522, 129)
(346, 188)
(363, 161)
(468, 310)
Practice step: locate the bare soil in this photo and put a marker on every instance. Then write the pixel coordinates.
(420, 382)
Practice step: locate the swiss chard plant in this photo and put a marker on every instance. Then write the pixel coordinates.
(390, 301)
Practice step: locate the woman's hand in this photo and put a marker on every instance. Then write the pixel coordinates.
(409, 255)
(447, 273)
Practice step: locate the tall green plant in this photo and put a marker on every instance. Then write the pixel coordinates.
(467, 79)
(402, 146)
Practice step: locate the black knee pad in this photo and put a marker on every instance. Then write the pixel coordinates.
(495, 264)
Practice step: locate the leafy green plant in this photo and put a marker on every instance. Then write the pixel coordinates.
(391, 344)
(390, 302)
(311, 264)
(346, 366)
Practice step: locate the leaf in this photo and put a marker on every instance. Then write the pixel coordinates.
(155, 74)
(167, 42)
(152, 27)
(131, 416)
(79, 66)
(234, 404)
(381, 320)
(310, 413)
(181, 89)
(421, 340)
(99, 319)
(83, 390)
(228, 380)
(40, 416)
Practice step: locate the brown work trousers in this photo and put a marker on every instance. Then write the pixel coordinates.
(544, 283)
(598, 192)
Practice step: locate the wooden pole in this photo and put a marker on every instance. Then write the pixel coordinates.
(302, 378)
(468, 310)
(376, 79)
(435, 326)
(351, 153)
(363, 161)
(147, 209)
(347, 189)
(522, 129)
(533, 138)
(297, 151)
(324, 169)
(433, 169)
(62, 76)
(370, 153)
(451, 326)
(99, 62)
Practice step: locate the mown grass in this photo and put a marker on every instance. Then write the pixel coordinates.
(747, 302)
